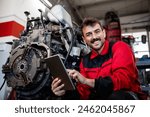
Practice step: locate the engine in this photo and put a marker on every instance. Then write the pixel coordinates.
(52, 33)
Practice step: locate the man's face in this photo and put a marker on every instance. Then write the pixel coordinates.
(94, 36)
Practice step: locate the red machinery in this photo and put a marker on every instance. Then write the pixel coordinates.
(112, 26)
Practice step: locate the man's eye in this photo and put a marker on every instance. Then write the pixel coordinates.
(88, 34)
(97, 31)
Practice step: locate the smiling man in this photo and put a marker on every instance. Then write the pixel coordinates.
(107, 72)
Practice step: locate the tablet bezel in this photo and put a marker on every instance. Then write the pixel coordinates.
(58, 69)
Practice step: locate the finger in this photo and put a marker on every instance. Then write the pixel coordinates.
(76, 79)
(71, 72)
(68, 70)
(60, 93)
(56, 84)
(58, 88)
(55, 80)
(75, 75)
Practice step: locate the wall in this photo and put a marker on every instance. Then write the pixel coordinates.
(13, 19)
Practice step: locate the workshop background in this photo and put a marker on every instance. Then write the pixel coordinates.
(132, 16)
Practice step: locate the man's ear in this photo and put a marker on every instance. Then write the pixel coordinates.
(84, 41)
(104, 33)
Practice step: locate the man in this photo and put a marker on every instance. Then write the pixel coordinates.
(107, 72)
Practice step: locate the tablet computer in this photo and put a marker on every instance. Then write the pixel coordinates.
(57, 69)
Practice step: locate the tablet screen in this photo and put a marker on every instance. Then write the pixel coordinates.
(58, 69)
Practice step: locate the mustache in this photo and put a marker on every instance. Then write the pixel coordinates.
(95, 39)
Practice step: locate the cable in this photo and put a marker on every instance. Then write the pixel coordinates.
(71, 44)
(2, 85)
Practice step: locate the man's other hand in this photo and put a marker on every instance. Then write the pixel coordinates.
(57, 87)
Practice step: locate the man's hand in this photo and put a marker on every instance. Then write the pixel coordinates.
(80, 78)
(57, 87)
(77, 76)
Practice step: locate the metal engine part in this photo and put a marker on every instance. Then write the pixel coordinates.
(26, 70)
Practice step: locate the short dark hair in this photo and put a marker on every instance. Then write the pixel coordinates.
(90, 21)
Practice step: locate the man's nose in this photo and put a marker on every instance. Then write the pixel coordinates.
(94, 36)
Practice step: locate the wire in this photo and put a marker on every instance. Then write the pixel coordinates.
(2, 85)
(71, 44)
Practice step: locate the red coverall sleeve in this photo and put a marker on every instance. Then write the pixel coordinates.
(124, 72)
(83, 89)
(82, 68)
